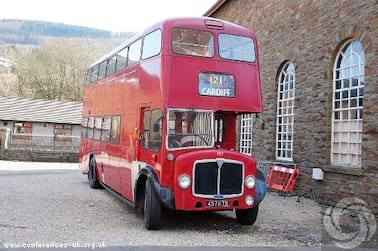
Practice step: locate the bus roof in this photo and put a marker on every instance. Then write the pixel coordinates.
(172, 22)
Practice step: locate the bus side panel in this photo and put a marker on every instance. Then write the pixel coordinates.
(112, 106)
(150, 96)
(83, 156)
(127, 155)
(150, 91)
(114, 180)
(126, 96)
(87, 112)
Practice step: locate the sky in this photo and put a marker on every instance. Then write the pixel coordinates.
(113, 15)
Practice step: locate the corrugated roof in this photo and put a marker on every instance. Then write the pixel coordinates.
(39, 110)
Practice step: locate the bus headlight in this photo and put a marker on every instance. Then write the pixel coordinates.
(249, 200)
(184, 181)
(250, 181)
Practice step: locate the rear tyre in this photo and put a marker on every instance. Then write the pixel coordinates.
(247, 216)
(92, 175)
(152, 208)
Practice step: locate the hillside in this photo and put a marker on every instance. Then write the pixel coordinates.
(14, 31)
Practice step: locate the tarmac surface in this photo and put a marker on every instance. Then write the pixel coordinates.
(44, 205)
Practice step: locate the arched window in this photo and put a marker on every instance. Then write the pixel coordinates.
(285, 113)
(348, 93)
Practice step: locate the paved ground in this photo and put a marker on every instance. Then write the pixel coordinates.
(52, 202)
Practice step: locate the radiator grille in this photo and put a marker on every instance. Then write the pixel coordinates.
(218, 178)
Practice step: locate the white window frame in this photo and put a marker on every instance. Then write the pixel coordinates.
(347, 105)
(285, 113)
(245, 144)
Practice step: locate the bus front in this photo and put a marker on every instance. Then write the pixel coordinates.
(211, 76)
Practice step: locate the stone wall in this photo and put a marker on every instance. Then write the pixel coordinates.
(33, 154)
(309, 34)
(39, 155)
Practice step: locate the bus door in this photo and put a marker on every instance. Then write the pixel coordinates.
(151, 136)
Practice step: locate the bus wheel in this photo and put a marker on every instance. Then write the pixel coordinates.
(152, 208)
(92, 177)
(247, 216)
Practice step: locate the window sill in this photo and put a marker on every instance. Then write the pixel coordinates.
(345, 170)
(291, 164)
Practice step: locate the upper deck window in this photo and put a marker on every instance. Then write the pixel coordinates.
(192, 42)
(111, 66)
(134, 52)
(122, 59)
(102, 70)
(151, 44)
(94, 73)
(88, 77)
(236, 48)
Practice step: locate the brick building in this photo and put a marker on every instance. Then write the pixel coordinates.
(319, 75)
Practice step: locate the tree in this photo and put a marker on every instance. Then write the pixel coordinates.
(56, 69)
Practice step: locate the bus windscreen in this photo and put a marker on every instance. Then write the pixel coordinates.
(236, 48)
(188, 128)
(192, 42)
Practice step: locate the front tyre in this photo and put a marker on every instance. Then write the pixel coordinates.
(152, 208)
(247, 216)
(92, 176)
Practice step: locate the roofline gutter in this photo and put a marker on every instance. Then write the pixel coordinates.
(214, 8)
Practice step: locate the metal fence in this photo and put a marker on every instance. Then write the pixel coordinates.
(44, 142)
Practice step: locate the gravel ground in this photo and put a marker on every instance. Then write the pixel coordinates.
(53, 203)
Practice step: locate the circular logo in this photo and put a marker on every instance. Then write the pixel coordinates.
(350, 222)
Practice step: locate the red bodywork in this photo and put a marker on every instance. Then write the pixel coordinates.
(169, 81)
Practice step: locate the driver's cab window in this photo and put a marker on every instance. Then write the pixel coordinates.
(152, 129)
(146, 129)
(156, 129)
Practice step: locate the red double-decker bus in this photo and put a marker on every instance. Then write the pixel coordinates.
(160, 119)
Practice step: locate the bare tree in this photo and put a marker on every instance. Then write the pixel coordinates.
(55, 70)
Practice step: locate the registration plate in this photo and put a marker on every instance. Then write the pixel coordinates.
(217, 203)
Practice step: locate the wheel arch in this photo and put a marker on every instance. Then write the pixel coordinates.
(139, 190)
(147, 174)
(92, 174)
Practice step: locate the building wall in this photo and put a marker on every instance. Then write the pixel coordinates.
(76, 130)
(6, 124)
(45, 129)
(309, 34)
